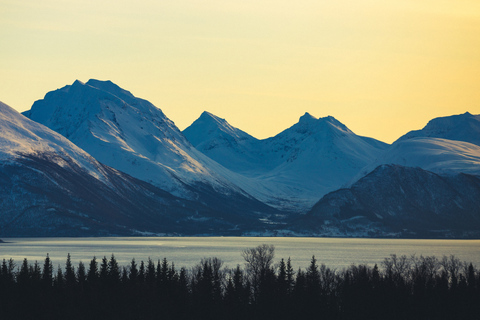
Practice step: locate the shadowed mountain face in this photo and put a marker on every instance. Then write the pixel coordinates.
(50, 187)
(402, 201)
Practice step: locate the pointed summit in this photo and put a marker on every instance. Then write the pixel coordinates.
(210, 127)
(215, 122)
(306, 118)
(206, 115)
(77, 83)
(298, 165)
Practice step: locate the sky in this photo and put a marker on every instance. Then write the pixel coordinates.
(381, 67)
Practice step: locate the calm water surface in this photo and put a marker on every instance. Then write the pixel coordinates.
(187, 251)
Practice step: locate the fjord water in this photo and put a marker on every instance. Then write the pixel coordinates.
(188, 251)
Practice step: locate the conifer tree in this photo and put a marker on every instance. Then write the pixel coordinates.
(92, 275)
(163, 275)
(7, 276)
(81, 274)
(282, 278)
(124, 275)
(150, 273)
(313, 275)
(113, 270)
(290, 276)
(59, 280)
(35, 273)
(104, 270)
(47, 273)
(141, 272)
(23, 274)
(133, 275)
(70, 278)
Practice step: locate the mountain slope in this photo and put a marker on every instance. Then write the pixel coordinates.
(401, 201)
(447, 145)
(50, 187)
(119, 130)
(433, 154)
(223, 143)
(300, 164)
(462, 127)
(133, 136)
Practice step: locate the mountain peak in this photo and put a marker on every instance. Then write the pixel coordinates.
(209, 126)
(212, 121)
(207, 116)
(110, 87)
(78, 83)
(307, 117)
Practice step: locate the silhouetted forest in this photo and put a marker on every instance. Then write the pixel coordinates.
(401, 287)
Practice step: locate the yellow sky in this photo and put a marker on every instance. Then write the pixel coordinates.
(382, 67)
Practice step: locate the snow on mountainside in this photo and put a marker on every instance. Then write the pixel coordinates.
(302, 163)
(129, 134)
(20, 136)
(433, 154)
(50, 187)
(447, 145)
(227, 145)
(462, 127)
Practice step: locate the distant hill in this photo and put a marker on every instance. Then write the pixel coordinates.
(400, 201)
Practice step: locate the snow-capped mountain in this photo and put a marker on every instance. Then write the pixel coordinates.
(447, 145)
(399, 201)
(426, 184)
(216, 179)
(50, 187)
(461, 127)
(300, 164)
(133, 136)
(441, 156)
(227, 145)
(122, 131)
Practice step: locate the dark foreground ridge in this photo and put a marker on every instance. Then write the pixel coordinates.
(401, 288)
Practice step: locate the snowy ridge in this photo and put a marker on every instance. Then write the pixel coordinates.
(441, 156)
(222, 142)
(461, 127)
(50, 187)
(447, 145)
(20, 136)
(129, 134)
(300, 164)
(289, 171)
(208, 124)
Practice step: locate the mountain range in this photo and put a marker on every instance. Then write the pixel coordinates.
(300, 164)
(50, 187)
(92, 159)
